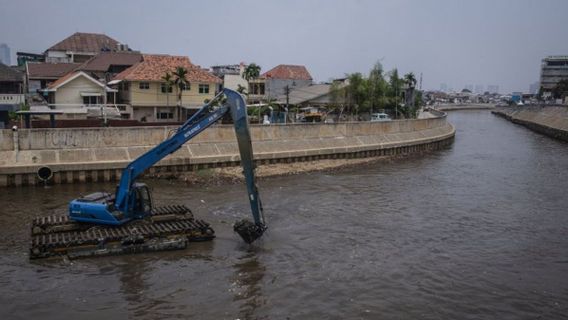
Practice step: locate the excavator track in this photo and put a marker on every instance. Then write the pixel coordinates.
(167, 228)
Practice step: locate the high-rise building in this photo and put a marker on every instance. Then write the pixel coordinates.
(493, 88)
(479, 88)
(5, 54)
(553, 69)
(443, 87)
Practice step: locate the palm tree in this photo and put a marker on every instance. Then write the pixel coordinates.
(410, 79)
(181, 83)
(169, 80)
(252, 71)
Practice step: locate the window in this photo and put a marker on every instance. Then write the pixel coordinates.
(164, 87)
(204, 88)
(165, 115)
(185, 86)
(144, 85)
(89, 100)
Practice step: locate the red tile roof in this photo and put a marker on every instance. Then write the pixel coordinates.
(153, 67)
(104, 60)
(44, 70)
(85, 42)
(288, 72)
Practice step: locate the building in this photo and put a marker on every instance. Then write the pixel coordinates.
(80, 47)
(142, 87)
(553, 69)
(479, 88)
(232, 75)
(443, 87)
(493, 88)
(275, 82)
(77, 93)
(11, 92)
(106, 65)
(40, 74)
(5, 57)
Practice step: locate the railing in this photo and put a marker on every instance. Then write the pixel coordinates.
(12, 98)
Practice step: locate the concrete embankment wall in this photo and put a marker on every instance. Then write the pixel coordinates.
(551, 121)
(100, 154)
(471, 106)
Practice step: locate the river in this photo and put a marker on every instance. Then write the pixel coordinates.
(475, 231)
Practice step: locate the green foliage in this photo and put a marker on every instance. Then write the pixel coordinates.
(378, 91)
(561, 89)
(252, 71)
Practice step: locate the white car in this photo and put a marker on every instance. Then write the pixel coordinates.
(377, 117)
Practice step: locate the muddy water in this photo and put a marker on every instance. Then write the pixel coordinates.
(477, 231)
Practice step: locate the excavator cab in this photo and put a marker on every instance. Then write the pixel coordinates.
(141, 200)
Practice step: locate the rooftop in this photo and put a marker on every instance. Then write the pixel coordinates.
(49, 70)
(86, 42)
(104, 60)
(10, 74)
(288, 72)
(153, 67)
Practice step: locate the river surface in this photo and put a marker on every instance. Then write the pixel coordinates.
(475, 231)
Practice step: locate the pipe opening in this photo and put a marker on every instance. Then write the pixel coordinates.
(44, 173)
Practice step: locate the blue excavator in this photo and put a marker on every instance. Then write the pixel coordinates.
(113, 215)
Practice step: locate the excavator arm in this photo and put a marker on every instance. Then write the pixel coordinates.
(124, 206)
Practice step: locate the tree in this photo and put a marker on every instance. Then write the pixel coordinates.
(169, 82)
(395, 84)
(356, 92)
(181, 83)
(377, 87)
(241, 89)
(252, 71)
(560, 91)
(410, 79)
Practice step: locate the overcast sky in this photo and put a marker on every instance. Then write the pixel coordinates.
(456, 42)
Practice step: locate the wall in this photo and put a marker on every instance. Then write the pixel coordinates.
(94, 154)
(70, 93)
(276, 87)
(154, 96)
(551, 121)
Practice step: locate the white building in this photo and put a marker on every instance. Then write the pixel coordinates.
(553, 69)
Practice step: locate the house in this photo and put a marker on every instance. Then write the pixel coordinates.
(11, 92)
(77, 93)
(275, 82)
(80, 47)
(232, 75)
(40, 74)
(142, 87)
(106, 65)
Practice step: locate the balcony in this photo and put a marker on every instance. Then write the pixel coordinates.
(6, 98)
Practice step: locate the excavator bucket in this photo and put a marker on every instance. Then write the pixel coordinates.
(248, 230)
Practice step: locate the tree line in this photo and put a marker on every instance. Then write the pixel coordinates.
(379, 91)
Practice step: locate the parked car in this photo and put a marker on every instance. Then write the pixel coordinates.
(378, 117)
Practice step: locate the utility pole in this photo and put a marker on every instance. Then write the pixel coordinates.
(287, 90)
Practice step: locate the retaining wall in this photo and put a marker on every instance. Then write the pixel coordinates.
(551, 121)
(100, 154)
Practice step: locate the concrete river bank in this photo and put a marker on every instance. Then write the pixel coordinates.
(548, 120)
(81, 155)
(473, 231)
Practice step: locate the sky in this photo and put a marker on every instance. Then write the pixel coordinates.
(456, 42)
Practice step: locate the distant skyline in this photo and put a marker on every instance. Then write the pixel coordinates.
(498, 42)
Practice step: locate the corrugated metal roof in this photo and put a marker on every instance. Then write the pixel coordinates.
(85, 42)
